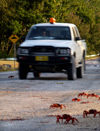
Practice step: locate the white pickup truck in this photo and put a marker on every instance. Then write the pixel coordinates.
(52, 47)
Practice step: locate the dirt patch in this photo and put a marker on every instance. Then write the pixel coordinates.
(29, 105)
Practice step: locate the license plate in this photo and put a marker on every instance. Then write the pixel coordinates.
(41, 58)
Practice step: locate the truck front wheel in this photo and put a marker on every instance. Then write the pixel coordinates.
(72, 70)
(23, 71)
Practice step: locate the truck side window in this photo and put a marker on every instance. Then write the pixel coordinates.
(77, 32)
(74, 33)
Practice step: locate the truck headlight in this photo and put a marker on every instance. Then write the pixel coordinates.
(22, 51)
(65, 52)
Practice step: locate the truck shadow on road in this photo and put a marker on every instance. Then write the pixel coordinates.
(48, 78)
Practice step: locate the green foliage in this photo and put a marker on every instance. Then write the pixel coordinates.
(17, 16)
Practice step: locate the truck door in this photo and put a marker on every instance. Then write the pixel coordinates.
(78, 45)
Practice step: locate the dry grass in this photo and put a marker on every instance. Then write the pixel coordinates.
(93, 57)
(9, 62)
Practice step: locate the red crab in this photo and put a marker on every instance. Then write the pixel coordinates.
(73, 119)
(67, 118)
(76, 99)
(11, 76)
(64, 116)
(93, 95)
(91, 111)
(85, 102)
(82, 94)
(56, 105)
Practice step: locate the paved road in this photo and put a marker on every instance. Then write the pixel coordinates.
(52, 81)
(47, 82)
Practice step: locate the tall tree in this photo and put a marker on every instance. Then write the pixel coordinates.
(17, 16)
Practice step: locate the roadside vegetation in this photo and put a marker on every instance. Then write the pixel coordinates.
(17, 16)
(7, 65)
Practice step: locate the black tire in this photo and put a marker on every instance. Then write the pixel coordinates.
(23, 71)
(72, 70)
(80, 70)
(36, 74)
(84, 64)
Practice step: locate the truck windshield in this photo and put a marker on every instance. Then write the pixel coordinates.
(49, 33)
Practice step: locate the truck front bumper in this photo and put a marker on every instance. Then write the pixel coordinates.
(45, 64)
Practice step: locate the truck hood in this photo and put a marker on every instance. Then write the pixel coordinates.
(54, 43)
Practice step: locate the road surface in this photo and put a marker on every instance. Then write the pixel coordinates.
(24, 104)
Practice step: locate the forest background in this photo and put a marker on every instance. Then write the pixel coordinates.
(17, 16)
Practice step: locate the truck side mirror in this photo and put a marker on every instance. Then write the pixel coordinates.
(77, 38)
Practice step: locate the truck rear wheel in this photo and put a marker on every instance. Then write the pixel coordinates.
(80, 70)
(23, 70)
(36, 74)
(84, 63)
(72, 70)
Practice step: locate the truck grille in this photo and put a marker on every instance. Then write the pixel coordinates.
(42, 50)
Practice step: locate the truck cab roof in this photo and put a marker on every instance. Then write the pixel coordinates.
(55, 24)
